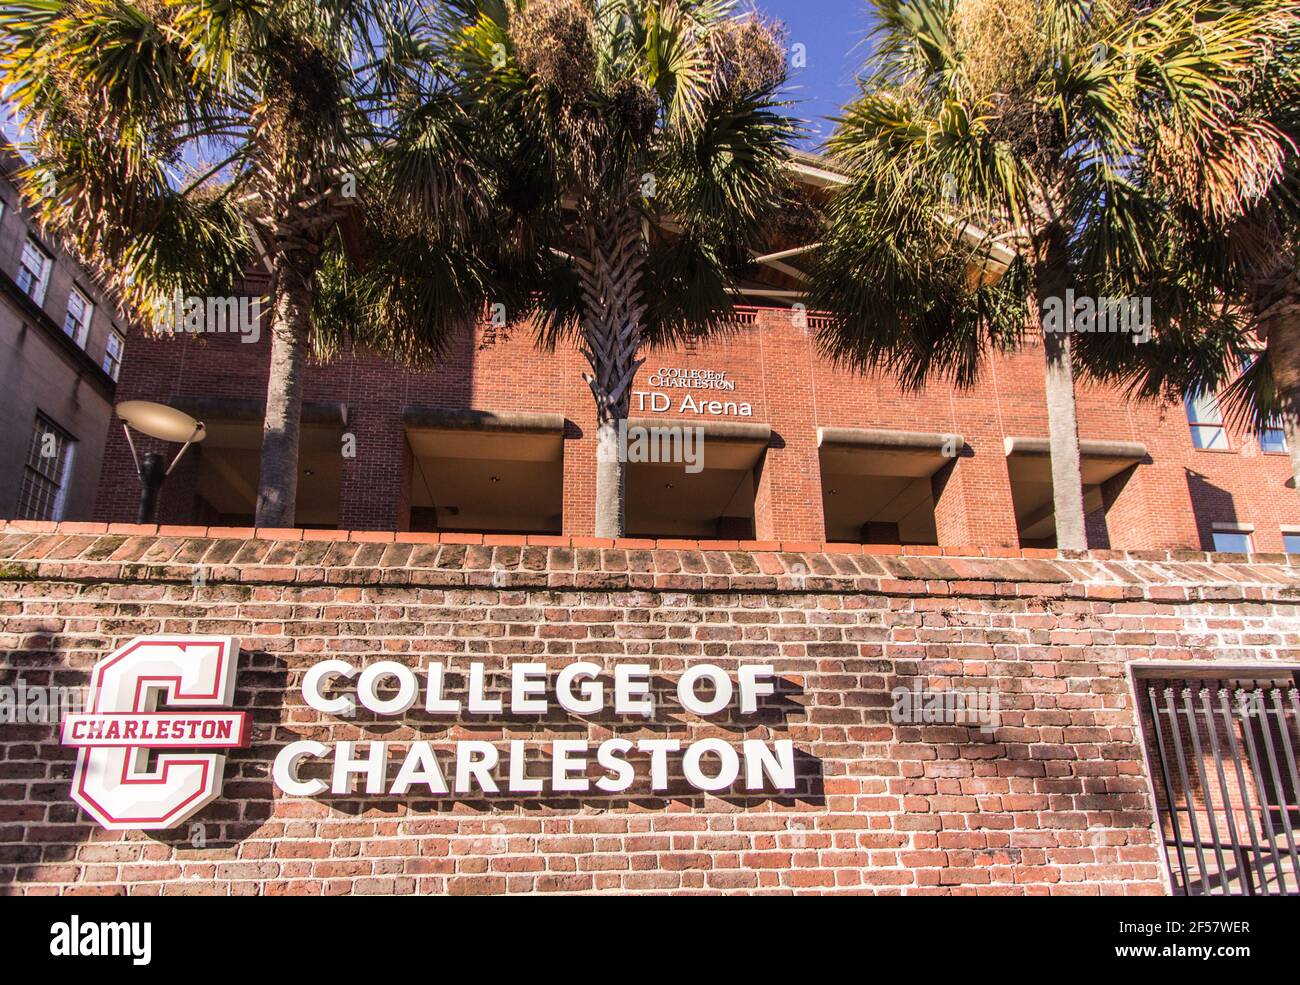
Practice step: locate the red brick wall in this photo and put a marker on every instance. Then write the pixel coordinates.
(1054, 801)
(1171, 502)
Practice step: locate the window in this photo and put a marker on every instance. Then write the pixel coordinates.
(46, 472)
(1232, 540)
(76, 323)
(1291, 542)
(1205, 420)
(1272, 439)
(113, 354)
(34, 272)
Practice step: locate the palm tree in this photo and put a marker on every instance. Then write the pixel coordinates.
(1227, 273)
(176, 144)
(998, 158)
(630, 151)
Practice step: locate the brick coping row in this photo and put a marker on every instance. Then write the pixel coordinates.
(135, 555)
(70, 527)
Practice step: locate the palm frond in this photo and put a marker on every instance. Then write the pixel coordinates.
(727, 172)
(1250, 403)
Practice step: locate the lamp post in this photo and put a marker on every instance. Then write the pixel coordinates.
(166, 424)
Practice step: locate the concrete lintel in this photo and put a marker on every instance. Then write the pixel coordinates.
(459, 419)
(733, 431)
(848, 439)
(1088, 448)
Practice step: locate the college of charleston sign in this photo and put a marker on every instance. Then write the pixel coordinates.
(685, 396)
(159, 695)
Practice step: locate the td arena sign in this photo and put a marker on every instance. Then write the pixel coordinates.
(159, 695)
(688, 391)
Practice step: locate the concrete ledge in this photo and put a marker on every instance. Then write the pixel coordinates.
(734, 431)
(1088, 448)
(878, 438)
(482, 420)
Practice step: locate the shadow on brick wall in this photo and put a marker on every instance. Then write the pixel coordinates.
(1211, 504)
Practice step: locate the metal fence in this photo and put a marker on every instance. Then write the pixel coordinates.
(1223, 759)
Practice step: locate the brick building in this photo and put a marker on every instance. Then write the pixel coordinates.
(499, 438)
(61, 347)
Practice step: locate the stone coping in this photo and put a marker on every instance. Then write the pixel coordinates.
(71, 527)
(97, 552)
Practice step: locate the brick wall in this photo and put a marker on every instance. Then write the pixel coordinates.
(1054, 801)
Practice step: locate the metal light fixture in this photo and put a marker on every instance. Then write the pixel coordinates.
(166, 424)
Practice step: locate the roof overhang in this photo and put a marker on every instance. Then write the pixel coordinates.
(1099, 460)
(815, 171)
(877, 451)
(476, 435)
(511, 422)
(727, 444)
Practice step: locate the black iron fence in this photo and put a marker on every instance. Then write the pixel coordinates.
(1224, 763)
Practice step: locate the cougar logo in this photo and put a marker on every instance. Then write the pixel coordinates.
(140, 700)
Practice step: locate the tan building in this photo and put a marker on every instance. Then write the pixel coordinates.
(61, 345)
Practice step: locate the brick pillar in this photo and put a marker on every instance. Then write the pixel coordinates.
(788, 494)
(972, 499)
(403, 518)
(950, 520)
(974, 505)
(374, 490)
(764, 521)
(788, 491)
(1095, 528)
(579, 518)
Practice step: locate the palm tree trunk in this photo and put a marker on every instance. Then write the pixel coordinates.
(277, 490)
(1062, 417)
(611, 331)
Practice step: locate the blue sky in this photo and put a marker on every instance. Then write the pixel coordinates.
(834, 34)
